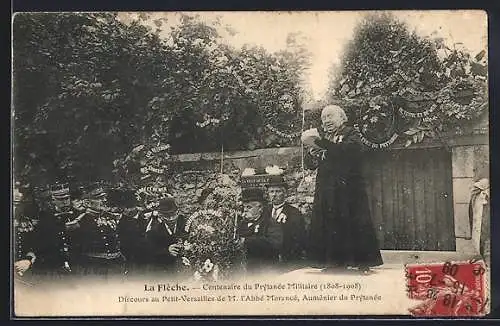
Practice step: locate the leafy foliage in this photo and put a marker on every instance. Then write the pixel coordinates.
(90, 87)
(424, 88)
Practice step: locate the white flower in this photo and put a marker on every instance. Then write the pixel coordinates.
(281, 218)
(338, 139)
(187, 245)
(197, 276)
(274, 170)
(248, 171)
(185, 261)
(207, 266)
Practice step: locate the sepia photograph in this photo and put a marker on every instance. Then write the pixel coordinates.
(306, 163)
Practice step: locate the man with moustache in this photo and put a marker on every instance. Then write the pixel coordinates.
(342, 232)
(275, 235)
(286, 227)
(259, 253)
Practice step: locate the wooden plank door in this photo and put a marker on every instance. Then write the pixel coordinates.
(410, 193)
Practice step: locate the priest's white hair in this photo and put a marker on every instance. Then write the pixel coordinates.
(334, 112)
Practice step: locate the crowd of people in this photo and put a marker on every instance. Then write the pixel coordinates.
(77, 237)
(66, 237)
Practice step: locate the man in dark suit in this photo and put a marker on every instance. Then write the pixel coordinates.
(274, 235)
(286, 226)
(164, 234)
(251, 230)
(131, 230)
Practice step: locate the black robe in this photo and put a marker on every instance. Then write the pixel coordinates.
(342, 232)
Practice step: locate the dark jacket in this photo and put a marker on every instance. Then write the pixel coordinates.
(159, 236)
(133, 245)
(24, 237)
(146, 248)
(52, 243)
(94, 238)
(275, 245)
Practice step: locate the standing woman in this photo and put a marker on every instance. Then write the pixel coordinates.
(342, 232)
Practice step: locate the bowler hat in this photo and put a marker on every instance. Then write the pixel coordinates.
(167, 205)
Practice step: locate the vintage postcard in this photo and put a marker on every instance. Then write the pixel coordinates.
(250, 163)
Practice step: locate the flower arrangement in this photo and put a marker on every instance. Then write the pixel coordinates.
(145, 164)
(210, 249)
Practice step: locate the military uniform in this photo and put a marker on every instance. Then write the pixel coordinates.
(97, 246)
(96, 241)
(52, 243)
(24, 237)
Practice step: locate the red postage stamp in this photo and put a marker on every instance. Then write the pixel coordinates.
(448, 289)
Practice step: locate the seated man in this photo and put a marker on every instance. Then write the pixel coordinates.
(286, 225)
(259, 251)
(274, 236)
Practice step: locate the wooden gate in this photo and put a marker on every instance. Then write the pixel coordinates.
(410, 193)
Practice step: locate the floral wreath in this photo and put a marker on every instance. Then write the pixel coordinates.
(211, 213)
(210, 251)
(377, 125)
(285, 100)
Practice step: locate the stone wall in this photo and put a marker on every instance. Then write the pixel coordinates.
(192, 173)
(195, 172)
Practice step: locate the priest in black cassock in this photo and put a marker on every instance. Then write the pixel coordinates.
(342, 233)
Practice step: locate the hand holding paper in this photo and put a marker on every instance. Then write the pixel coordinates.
(309, 138)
